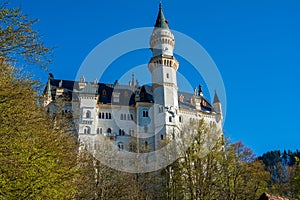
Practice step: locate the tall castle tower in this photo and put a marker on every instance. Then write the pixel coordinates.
(163, 67)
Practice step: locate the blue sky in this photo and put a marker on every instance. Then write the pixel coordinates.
(254, 43)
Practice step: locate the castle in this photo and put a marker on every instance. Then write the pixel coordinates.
(121, 112)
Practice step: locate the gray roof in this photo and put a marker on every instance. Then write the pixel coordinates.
(161, 21)
(187, 104)
(127, 94)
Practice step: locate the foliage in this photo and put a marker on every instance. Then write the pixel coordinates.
(37, 159)
(282, 167)
(102, 182)
(19, 41)
(214, 170)
(296, 179)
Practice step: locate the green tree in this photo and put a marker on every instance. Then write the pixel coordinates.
(296, 180)
(211, 169)
(243, 176)
(38, 160)
(19, 41)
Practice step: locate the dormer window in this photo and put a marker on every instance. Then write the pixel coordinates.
(103, 92)
(203, 102)
(181, 98)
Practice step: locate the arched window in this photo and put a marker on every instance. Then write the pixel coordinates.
(104, 92)
(120, 146)
(131, 147)
(109, 115)
(98, 130)
(106, 115)
(121, 117)
(180, 119)
(124, 116)
(128, 116)
(160, 109)
(162, 137)
(145, 113)
(170, 119)
(100, 115)
(131, 132)
(120, 132)
(88, 114)
(109, 130)
(103, 115)
(146, 144)
(87, 130)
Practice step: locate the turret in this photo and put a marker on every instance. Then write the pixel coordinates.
(48, 93)
(218, 107)
(162, 40)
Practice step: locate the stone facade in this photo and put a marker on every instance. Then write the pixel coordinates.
(126, 112)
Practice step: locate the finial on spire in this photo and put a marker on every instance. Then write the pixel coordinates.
(161, 21)
(200, 92)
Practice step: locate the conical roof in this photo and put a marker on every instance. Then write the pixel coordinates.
(216, 98)
(161, 21)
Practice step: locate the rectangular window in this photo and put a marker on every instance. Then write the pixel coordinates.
(116, 97)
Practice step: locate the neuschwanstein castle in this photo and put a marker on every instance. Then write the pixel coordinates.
(150, 113)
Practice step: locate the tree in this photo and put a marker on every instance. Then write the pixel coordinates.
(195, 174)
(243, 176)
(211, 169)
(281, 166)
(38, 160)
(19, 41)
(296, 180)
(102, 182)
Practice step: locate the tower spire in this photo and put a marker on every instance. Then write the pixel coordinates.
(216, 98)
(49, 95)
(161, 21)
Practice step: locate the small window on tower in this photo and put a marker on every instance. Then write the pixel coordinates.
(88, 114)
(145, 113)
(180, 119)
(167, 75)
